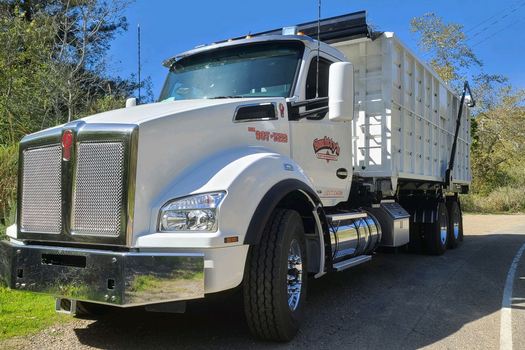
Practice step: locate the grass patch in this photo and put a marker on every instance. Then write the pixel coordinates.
(23, 313)
(501, 200)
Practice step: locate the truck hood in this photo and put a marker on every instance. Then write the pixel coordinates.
(144, 113)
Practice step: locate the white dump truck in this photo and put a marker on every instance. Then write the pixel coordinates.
(268, 160)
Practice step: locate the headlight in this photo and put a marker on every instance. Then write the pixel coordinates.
(193, 213)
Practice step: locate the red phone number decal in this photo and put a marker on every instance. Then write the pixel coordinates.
(262, 135)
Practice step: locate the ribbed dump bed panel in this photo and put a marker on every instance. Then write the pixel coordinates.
(42, 190)
(405, 117)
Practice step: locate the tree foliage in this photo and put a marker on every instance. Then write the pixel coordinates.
(451, 57)
(53, 68)
(499, 140)
(53, 65)
(498, 121)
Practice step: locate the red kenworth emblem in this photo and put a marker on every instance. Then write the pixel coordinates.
(281, 109)
(67, 142)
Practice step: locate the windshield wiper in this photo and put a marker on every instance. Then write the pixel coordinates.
(233, 96)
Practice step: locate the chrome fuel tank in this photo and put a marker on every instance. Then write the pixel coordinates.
(353, 234)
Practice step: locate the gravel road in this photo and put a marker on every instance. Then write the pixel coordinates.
(396, 301)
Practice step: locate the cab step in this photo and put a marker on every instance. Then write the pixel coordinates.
(345, 264)
(346, 216)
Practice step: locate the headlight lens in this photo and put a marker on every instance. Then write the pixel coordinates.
(194, 213)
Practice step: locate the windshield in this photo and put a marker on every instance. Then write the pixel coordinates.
(255, 70)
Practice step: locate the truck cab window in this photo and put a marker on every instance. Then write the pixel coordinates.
(265, 69)
(324, 69)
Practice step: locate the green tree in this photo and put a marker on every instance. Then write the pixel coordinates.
(53, 68)
(446, 43)
(498, 121)
(499, 140)
(24, 72)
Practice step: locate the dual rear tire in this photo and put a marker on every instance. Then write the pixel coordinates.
(436, 233)
(455, 224)
(446, 231)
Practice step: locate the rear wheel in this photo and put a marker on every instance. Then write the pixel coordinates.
(275, 279)
(455, 225)
(415, 244)
(436, 233)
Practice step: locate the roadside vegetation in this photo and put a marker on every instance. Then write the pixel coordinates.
(23, 313)
(53, 69)
(498, 120)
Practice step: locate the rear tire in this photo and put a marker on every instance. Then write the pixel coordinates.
(455, 225)
(436, 234)
(415, 244)
(275, 271)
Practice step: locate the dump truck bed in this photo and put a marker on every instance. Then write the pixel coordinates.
(405, 115)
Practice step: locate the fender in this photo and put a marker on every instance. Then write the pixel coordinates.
(268, 204)
(247, 174)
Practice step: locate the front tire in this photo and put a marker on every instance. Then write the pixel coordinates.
(276, 277)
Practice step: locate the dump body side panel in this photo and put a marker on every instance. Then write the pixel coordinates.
(405, 116)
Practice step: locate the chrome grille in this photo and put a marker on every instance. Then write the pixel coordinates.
(41, 190)
(98, 189)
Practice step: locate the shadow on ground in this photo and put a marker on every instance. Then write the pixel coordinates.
(395, 301)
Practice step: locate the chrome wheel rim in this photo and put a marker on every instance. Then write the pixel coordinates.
(294, 277)
(456, 230)
(443, 231)
(443, 234)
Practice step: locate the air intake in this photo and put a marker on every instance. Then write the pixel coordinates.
(41, 209)
(98, 189)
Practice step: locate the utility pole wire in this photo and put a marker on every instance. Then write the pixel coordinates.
(496, 33)
(502, 14)
(518, 3)
(498, 20)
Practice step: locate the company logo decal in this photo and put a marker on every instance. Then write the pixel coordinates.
(326, 148)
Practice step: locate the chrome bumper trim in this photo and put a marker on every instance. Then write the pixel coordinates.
(115, 278)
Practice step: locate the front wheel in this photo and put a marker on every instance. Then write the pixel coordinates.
(276, 277)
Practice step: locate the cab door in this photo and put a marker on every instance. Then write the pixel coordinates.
(321, 147)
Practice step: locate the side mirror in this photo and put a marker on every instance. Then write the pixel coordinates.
(131, 102)
(341, 92)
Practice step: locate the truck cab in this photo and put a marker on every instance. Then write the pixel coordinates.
(291, 68)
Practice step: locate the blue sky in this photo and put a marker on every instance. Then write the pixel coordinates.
(170, 27)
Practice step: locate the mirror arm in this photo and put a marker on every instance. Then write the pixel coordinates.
(310, 101)
(315, 114)
(294, 114)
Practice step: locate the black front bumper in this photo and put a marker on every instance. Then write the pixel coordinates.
(120, 279)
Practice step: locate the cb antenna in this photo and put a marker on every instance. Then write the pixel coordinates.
(138, 57)
(318, 47)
